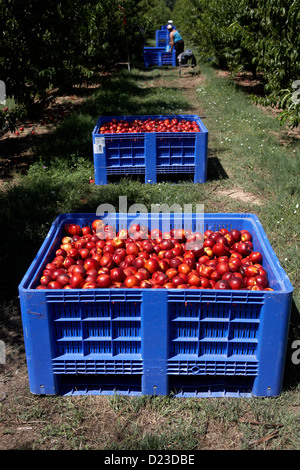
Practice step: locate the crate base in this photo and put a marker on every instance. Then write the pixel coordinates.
(179, 386)
(211, 386)
(173, 175)
(99, 385)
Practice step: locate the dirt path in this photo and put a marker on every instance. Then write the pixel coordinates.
(188, 83)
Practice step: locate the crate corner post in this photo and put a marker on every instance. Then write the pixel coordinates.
(38, 343)
(272, 354)
(155, 343)
(200, 175)
(150, 158)
(99, 156)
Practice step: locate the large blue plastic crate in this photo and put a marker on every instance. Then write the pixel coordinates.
(191, 343)
(162, 38)
(149, 153)
(150, 55)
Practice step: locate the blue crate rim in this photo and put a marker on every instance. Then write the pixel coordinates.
(286, 286)
(128, 118)
(153, 48)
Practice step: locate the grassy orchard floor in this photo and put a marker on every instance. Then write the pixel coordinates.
(253, 166)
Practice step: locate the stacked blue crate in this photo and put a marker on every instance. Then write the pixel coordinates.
(151, 55)
(159, 55)
(162, 38)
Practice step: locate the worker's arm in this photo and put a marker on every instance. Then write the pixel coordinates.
(171, 40)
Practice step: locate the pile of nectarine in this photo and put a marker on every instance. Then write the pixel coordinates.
(96, 256)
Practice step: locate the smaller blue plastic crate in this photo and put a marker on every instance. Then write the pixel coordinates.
(150, 154)
(151, 54)
(162, 38)
(188, 342)
(167, 58)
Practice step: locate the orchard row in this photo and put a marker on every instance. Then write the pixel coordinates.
(95, 256)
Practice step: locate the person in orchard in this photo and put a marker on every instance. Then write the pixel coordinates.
(176, 41)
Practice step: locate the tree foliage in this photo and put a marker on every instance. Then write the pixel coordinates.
(121, 27)
(40, 45)
(56, 44)
(258, 36)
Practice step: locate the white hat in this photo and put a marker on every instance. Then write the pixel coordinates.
(170, 21)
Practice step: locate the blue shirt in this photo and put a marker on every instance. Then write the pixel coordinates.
(176, 37)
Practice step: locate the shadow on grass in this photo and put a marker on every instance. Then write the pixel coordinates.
(18, 153)
(25, 217)
(215, 170)
(246, 82)
(251, 85)
(177, 178)
(120, 95)
(27, 212)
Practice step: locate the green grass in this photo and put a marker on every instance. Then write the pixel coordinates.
(248, 136)
(245, 152)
